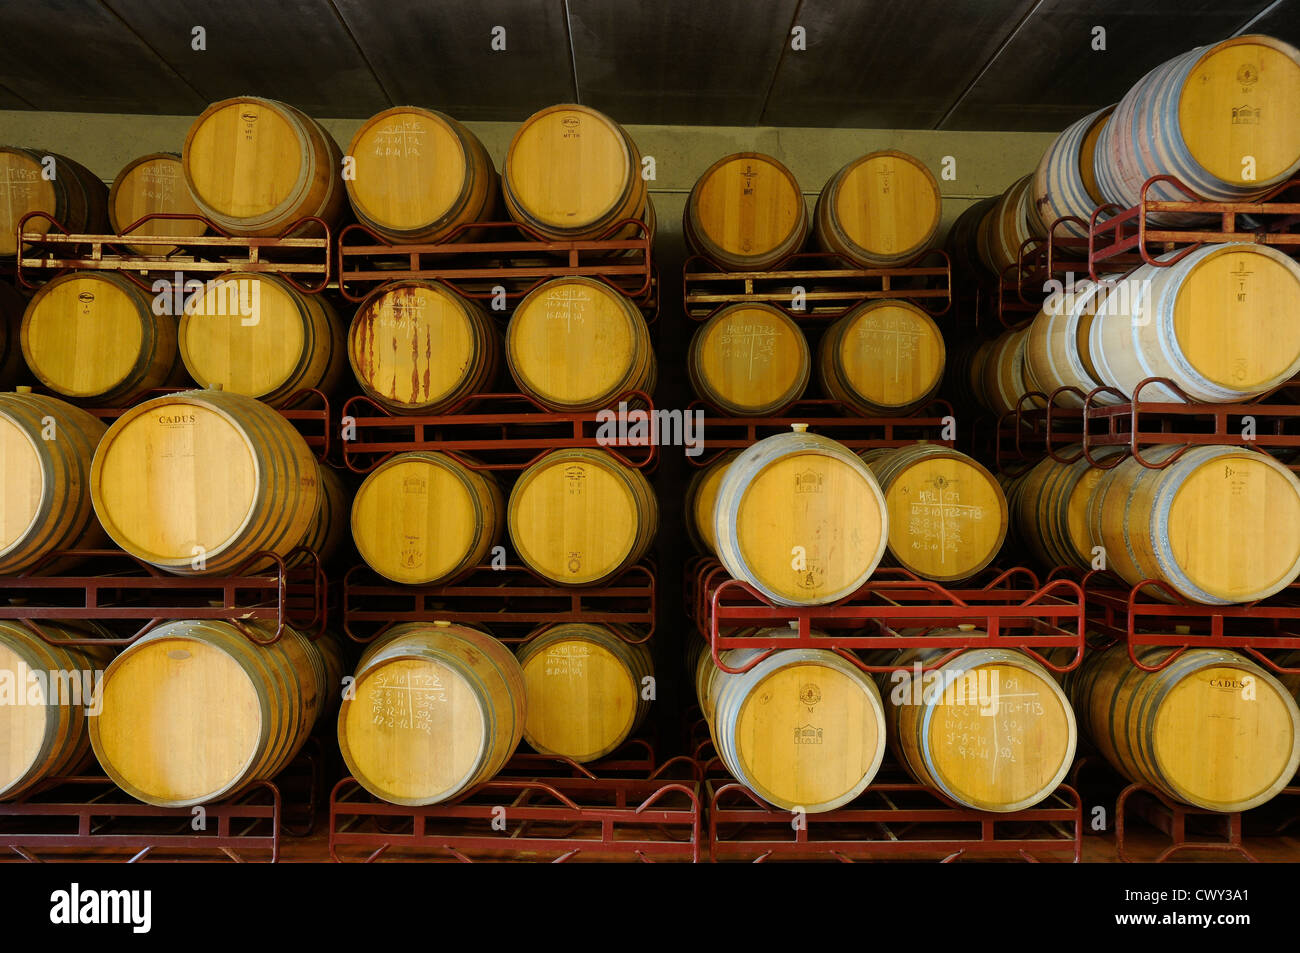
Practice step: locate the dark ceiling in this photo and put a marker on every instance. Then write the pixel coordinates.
(906, 64)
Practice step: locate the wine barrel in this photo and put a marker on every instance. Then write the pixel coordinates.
(1007, 225)
(256, 167)
(1219, 324)
(800, 518)
(572, 173)
(12, 306)
(328, 531)
(579, 517)
(436, 709)
(990, 729)
(586, 689)
(883, 358)
(749, 360)
(880, 210)
(746, 213)
(1064, 182)
(701, 495)
(1212, 729)
(1049, 507)
(423, 517)
(95, 337)
(1198, 117)
(577, 344)
(417, 347)
(194, 711)
(962, 243)
(148, 185)
(1220, 525)
(257, 335)
(947, 514)
(199, 481)
(65, 190)
(1003, 372)
(419, 176)
(46, 447)
(44, 718)
(804, 728)
(1056, 352)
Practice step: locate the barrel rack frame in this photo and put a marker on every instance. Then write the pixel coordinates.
(305, 263)
(541, 806)
(833, 286)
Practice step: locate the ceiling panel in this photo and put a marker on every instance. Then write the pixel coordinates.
(883, 64)
(1048, 75)
(10, 100)
(439, 54)
(652, 68)
(77, 55)
(297, 51)
(1280, 19)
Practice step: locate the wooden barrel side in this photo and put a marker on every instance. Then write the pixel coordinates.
(746, 213)
(749, 360)
(883, 358)
(879, 210)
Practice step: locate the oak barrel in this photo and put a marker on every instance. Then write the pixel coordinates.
(259, 336)
(749, 360)
(587, 689)
(800, 518)
(883, 358)
(1220, 525)
(701, 495)
(572, 173)
(1208, 117)
(199, 481)
(46, 449)
(417, 347)
(1007, 225)
(746, 213)
(1212, 729)
(947, 513)
(1049, 507)
(96, 337)
(804, 728)
(880, 210)
(990, 729)
(577, 344)
(148, 185)
(424, 517)
(32, 180)
(1219, 324)
(1056, 345)
(48, 696)
(1064, 182)
(437, 709)
(580, 517)
(1003, 372)
(256, 167)
(195, 711)
(420, 175)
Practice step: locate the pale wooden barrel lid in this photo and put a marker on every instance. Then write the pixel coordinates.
(808, 734)
(253, 358)
(748, 204)
(415, 518)
(1001, 737)
(179, 476)
(887, 203)
(24, 488)
(569, 166)
(415, 730)
(181, 720)
(573, 340)
(82, 334)
(244, 158)
(751, 358)
(1242, 98)
(23, 189)
(1218, 749)
(891, 353)
(410, 168)
(25, 728)
(153, 183)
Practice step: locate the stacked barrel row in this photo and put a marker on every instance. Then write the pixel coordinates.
(1215, 524)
